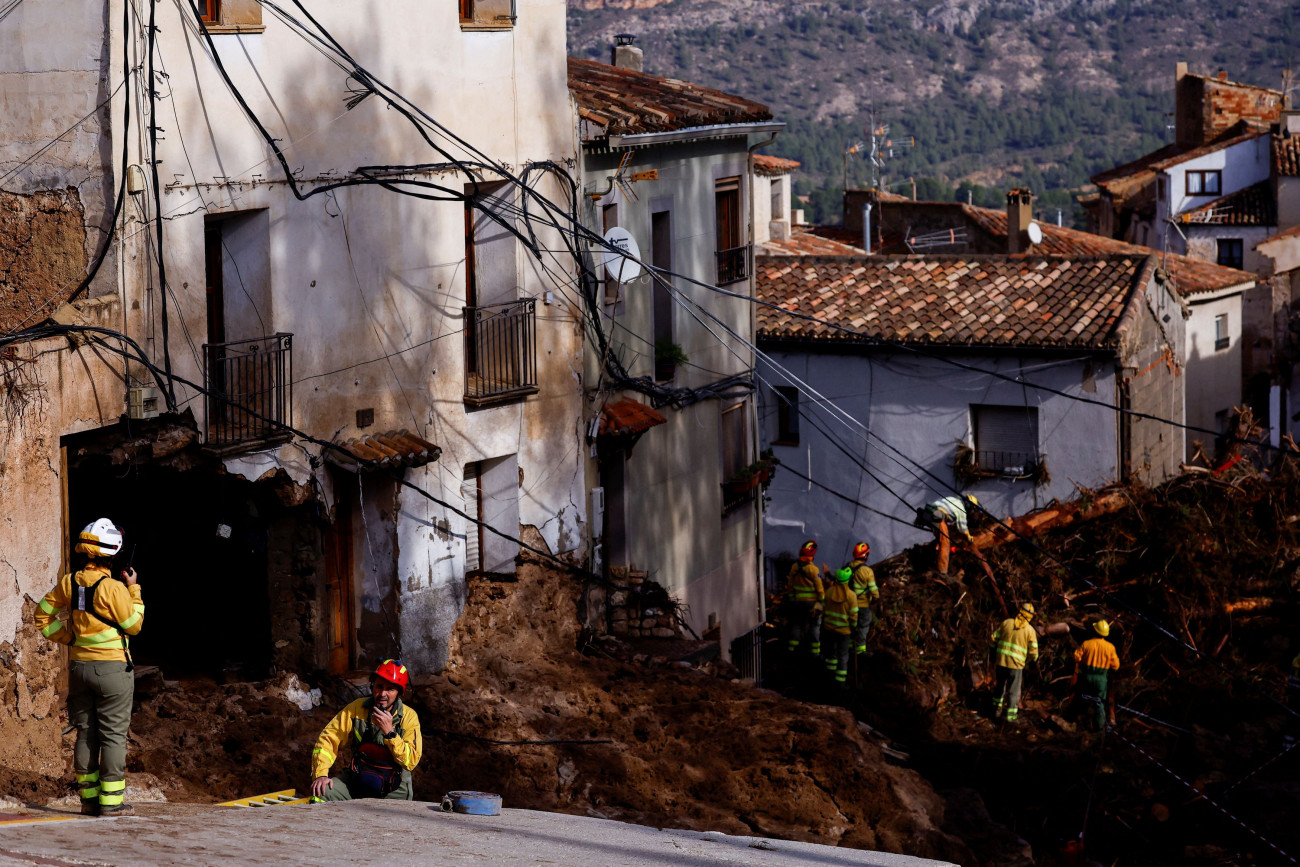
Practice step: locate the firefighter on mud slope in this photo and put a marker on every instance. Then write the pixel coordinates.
(1093, 662)
(382, 736)
(803, 600)
(101, 685)
(839, 620)
(864, 585)
(1015, 642)
(938, 516)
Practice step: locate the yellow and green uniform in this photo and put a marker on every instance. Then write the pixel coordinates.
(803, 592)
(352, 727)
(1015, 643)
(864, 585)
(100, 687)
(1095, 660)
(839, 618)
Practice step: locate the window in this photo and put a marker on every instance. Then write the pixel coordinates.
(735, 445)
(1162, 188)
(667, 352)
(1205, 182)
(732, 256)
(1006, 439)
(231, 16)
(487, 14)
(787, 416)
(608, 220)
(1221, 336)
(1231, 252)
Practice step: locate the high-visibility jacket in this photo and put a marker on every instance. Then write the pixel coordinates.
(1097, 653)
(353, 726)
(840, 612)
(1015, 641)
(954, 510)
(804, 583)
(863, 583)
(91, 639)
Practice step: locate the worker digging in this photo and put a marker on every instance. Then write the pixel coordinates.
(938, 517)
(1014, 643)
(103, 607)
(1093, 662)
(803, 601)
(381, 735)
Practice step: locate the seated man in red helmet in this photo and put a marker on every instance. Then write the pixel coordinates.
(382, 737)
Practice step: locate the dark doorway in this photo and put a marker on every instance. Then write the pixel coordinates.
(198, 540)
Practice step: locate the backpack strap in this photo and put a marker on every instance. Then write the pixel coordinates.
(83, 599)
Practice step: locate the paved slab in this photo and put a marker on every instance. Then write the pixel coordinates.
(399, 834)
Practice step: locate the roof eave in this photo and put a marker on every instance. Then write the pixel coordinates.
(690, 133)
(848, 344)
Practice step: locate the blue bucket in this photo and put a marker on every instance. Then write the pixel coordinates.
(472, 803)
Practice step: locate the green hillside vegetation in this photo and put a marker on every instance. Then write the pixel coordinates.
(996, 94)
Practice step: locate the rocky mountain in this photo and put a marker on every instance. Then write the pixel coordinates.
(994, 92)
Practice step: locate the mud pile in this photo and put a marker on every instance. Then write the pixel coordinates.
(689, 749)
(1200, 581)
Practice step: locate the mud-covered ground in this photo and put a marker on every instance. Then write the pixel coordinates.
(909, 761)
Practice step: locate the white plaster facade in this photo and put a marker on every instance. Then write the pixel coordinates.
(672, 501)
(371, 284)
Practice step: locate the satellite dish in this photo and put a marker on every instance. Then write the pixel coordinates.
(1035, 233)
(621, 267)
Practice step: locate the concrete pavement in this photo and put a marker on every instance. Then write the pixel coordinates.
(399, 833)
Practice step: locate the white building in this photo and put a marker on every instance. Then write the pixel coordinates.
(418, 330)
(1000, 376)
(672, 390)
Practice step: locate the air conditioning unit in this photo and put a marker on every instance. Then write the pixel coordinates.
(142, 401)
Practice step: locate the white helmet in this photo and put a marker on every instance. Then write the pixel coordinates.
(100, 539)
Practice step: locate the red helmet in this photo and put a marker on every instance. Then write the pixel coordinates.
(861, 550)
(808, 551)
(393, 671)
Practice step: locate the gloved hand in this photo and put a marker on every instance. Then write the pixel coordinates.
(817, 608)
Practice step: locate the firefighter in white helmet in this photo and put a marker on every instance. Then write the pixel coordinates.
(103, 609)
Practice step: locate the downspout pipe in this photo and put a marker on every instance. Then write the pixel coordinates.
(866, 227)
(753, 325)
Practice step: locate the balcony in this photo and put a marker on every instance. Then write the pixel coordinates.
(250, 393)
(500, 352)
(733, 265)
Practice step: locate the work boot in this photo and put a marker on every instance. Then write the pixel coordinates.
(118, 810)
(90, 806)
(1013, 714)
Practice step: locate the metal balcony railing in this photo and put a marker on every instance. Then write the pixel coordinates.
(1007, 463)
(733, 265)
(500, 352)
(250, 384)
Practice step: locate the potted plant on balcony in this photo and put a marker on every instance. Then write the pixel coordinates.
(758, 473)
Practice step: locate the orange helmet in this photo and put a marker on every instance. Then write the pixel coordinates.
(861, 550)
(808, 551)
(394, 672)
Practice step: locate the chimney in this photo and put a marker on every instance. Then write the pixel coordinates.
(1180, 70)
(626, 55)
(1020, 212)
(1222, 75)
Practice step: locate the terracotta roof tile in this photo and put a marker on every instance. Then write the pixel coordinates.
(809, 244)
(619, 101)
(1255, 205)
(627, 417)
(1191, 276)
(399, 448)
(766, 164)
(1286, 155)
(972, 300)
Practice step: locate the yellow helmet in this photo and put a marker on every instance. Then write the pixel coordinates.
(973, 501)
(1102, 628)
(1027, 610)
